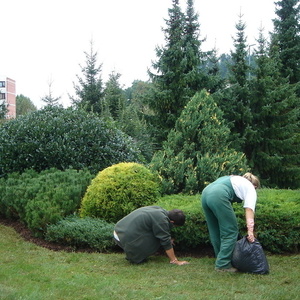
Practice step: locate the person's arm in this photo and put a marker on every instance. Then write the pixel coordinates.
(173, 259)
(250, 224)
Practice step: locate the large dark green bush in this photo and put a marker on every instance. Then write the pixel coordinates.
(118, 190)
(86, 232)
(197, 151)
(62, 138)
(277, 220)
(39, 199)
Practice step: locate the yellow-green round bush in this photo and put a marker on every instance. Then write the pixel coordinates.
(118, 190)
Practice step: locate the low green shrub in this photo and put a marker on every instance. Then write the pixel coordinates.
(78, 232)
(118, 190)
(39, 199)
(277, 220)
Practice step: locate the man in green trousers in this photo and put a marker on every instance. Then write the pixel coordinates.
(142, 232)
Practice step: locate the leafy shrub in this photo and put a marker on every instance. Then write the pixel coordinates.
(197, 150)
(76, 232)
(39, 199)
(60, 138)
(277, 220)
(118, 190)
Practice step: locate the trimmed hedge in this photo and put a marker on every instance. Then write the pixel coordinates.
(39, 199)
(118, 190)
(81, 233)
(277, 220)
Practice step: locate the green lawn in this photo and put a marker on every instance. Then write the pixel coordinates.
(30, 272)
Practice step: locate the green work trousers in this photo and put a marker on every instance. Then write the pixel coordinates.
(221, 219)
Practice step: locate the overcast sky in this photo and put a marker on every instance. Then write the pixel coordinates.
(44, 41)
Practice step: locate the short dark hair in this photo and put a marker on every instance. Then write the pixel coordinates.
(177, 216)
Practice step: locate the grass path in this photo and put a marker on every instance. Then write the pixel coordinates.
(30, 272)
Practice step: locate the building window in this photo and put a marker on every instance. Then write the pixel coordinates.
(2, 83)
(2, 96)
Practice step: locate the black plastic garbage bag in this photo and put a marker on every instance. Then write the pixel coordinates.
(249, 257)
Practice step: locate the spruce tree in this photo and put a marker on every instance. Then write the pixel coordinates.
(179, 70)
(49, 99)
(89, 91)
(114, 96)
(273, 149)
(169, 95)
(287, 36)
(195, 76)
(234, 100)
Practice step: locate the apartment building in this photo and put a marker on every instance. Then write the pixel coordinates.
(8, 95)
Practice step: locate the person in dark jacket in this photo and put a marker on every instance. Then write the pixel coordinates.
(142, 232)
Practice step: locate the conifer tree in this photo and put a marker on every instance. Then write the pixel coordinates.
(169, 95)
(287, 36)
(195, 77)
(89, 91)
(114, 96)
(197, 151)
(49, 99)
(179, 71)
(234, 100)
(273, 149)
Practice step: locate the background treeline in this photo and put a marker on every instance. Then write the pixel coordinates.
(199, 116)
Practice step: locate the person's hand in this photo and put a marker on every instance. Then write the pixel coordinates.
(179, 262)
(251, 237)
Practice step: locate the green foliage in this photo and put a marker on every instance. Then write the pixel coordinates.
(89, 91)
(197, 151)
(273, 146)
(3, 110)
(78, 232)
(118, 190)
(114, 97)
(287, 35)
(178, 71)
(39, 199)
(62, 138)
(24, 105)
(276, 220)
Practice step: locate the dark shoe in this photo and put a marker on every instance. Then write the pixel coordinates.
(230, 270)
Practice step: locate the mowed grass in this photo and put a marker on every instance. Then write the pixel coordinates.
(30, 272)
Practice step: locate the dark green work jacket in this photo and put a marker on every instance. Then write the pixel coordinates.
(143, 231)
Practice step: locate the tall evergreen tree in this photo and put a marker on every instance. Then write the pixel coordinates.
(195, 77)
(216, 82)
(89, 91)
(114, 96)
(287, 36)
(49, 99)
(178, 73)
(273, 150)
(169, 95)
(234, 100)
